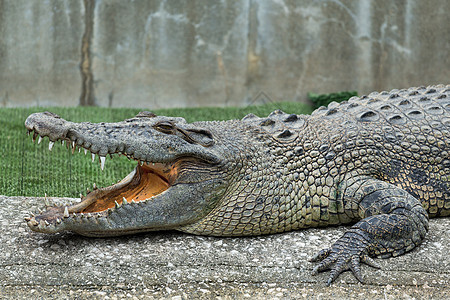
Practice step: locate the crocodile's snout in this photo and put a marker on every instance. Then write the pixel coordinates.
(48, 125)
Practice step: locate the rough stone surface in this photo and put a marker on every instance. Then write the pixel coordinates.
(179, 266)
(190, 53)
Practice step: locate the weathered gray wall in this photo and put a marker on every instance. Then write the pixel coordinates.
(190, 53)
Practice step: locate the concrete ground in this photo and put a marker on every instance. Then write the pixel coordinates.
(180, 266)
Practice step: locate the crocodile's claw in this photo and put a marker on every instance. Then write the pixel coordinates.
(347, 253)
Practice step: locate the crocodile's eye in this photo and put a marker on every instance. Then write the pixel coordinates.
(165, 127)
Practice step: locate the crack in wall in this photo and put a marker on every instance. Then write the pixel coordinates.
(87, 97)
(253, 56)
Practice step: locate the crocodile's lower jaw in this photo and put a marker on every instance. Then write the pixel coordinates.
(145, 182)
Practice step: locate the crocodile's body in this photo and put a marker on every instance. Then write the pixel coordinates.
(380, 162)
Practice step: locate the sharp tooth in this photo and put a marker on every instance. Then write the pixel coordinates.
(27, 219)
(79, 150)
(93, 156)
(153, 163)
(66, 212)
(117, 204)
(81, 196)
(124, 201)
(62, 142)
(58, 221)
(95, 186)
(46, 223)
(46, 200)
(33, 215)
(39, 140)
(73, 144)
(40, 211)
(102, 161)
(85, 151)
(50, 145)
(88, 191)
(133, 202)
(89, 215)
(34, 222)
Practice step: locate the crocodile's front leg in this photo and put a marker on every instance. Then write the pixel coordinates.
(392, 222)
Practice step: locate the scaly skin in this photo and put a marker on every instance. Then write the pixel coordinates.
(380, 162)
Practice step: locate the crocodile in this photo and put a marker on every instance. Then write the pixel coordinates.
(379, 163)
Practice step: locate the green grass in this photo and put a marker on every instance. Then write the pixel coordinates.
(29, 169)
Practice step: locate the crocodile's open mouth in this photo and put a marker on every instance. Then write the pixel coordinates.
(147, 180)
(177, 180)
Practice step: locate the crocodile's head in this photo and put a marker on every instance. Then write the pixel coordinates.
(179, 177)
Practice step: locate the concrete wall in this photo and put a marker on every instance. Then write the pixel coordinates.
(192, 53)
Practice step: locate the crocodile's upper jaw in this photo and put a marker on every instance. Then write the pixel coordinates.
(152, 197)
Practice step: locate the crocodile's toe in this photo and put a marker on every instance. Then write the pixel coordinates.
(347, 253)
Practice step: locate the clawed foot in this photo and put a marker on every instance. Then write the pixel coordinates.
(341, 256)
